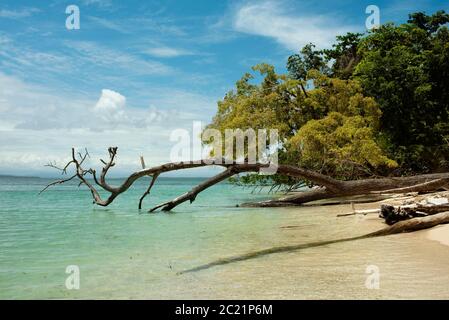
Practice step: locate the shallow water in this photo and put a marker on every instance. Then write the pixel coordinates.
(124, 254)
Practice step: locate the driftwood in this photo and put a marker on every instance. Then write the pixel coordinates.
(329, 187)
(393, 214)
(409, 209)
(414, 224)
(354, 212)
(411, 225)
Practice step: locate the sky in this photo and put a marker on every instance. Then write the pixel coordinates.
(135, 71)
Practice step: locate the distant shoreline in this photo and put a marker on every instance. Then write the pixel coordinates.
(114, 178)
(22, 177)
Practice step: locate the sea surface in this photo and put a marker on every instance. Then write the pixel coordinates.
(124, 253)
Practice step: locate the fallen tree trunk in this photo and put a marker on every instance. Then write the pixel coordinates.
(329, 187)
(361, 187)
(422, 187)
(411, 225)
(393, 214)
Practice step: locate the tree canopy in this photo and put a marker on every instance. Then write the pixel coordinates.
(406, 70)
(375, 103)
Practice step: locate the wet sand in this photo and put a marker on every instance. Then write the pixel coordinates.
(410, 265)
(440, 234)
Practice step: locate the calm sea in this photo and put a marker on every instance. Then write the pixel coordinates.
(123, 253)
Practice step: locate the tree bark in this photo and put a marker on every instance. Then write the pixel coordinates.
(330, 187)
(424, 183)
(413, 224)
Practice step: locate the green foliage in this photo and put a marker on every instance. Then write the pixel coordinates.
(339, 145)
(344, 55)
(431, 23)
(379, 103)
(332, 130)
(406, 69)
(341, 141)
(298, 65)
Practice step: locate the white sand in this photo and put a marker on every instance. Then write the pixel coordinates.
(440, 234)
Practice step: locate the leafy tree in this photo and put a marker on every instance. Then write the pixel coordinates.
(332, 130)
(429, 23)
(308, 59)
(344, 55)
(376, 102)
(343, 58)
(342, 141)
(298, 65)
(406, 69)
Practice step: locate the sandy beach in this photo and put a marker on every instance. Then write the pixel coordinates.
(140, 256)
(440, 234)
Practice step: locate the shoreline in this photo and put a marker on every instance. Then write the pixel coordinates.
(440, 234)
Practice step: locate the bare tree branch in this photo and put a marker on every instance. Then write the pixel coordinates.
(191, 195)
(147, 192)
(329, 187)
(57, 182)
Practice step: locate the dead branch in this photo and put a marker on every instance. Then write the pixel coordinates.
(413, 224)
(57, 182)
(329, 187)
(147, 192)
(231, 169)
(191, 195)
(393, 214)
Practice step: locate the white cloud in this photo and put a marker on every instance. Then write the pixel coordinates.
(157, 27)
(38, 125)
(99, 3)
(110, 100)
(77, 62)
(31, 107)
(167, 52)
(271, 19)
(17, 14)
(110, 107)
(108, 24)
(4, 39)
(110, 112)
(101, 56)
(20, 58)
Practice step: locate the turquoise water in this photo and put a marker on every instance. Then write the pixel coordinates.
(41, 235)
(123, 253)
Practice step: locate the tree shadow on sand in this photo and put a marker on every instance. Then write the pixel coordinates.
(260, 253)
(399, 227)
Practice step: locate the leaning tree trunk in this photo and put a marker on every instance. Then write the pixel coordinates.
(419, 183)
(329, 187)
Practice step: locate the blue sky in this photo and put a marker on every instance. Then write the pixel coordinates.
(137, 70)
